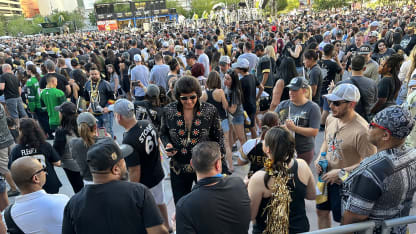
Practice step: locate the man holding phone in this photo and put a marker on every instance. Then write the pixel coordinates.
(139, 77)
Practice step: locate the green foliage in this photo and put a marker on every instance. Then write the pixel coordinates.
(179, 9)
(69, 18)
(92, 18)
(229, 2)
(291, 4)
(19, 25)
(119, 8)
(329, 4)
(281, 5)
(199, 6)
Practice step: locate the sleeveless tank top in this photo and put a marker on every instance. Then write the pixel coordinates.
(298, 221)
(218, 105)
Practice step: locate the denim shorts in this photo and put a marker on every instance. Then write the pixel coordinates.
(225, 126)
(238, 119)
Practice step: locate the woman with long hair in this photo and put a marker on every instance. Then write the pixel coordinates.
(286, 71)
(87, 131)
(381, 51)
(407, 70)
(114, 79)
(235, 107)
(63, 136)
(32, 142)
(252, 151)
(278, 192)
(389, 86)
(216, 96)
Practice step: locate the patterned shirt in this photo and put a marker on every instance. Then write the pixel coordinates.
(205, 127)
(382, 186)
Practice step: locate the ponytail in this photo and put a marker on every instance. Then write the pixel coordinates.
(87, 133)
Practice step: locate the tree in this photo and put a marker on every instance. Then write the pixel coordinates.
(92, 18)
(199, 6)
(329, 4)
(179, 8)
(19, 25)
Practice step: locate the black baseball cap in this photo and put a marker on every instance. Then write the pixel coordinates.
(297, 83)
(74, 62)
(190, 54)
(67, 108)
(364, 49)
(105, 153)
(199, 47)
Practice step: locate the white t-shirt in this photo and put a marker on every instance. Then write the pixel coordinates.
(39, 212)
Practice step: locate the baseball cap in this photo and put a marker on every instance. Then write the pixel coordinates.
(190, 54)
(364, 49)
(396, 119)
(122, 107)
(178, 48)
(67, 108)
(165, 44)
(137, 58)
(374, 24)
(152, 90)
(327, 33)
(105, 153)
(412, 82)
(224, 60)
(74, 62)
(373, 34)
(297, 83)
(347, 92)
(258, 47)
(88, 118)
(241, 63)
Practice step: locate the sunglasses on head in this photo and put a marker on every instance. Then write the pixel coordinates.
(337, 103)
(374, 125)
(184, 98)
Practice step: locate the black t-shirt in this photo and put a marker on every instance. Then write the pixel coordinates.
(146, 111)
(11, 85)
(315, 78)
(47, 155)
(113, 207)
(132, 52)
(144, 140)
(62, 82)
(329, 70)
(386, 89)
(220, 208)
(249, 84)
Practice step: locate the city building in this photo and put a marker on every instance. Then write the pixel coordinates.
(46, 7)
(10, 8)
(30, 8)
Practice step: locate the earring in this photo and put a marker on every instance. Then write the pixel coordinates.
(268, 166)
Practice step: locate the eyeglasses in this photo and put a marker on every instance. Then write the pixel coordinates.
(39, 171)
(338, 45)
(374, 125)
(337, 103)
(184, 98)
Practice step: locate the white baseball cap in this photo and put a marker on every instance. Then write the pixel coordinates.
(347, 92)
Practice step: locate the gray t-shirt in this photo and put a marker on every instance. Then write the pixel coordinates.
(252, 60)
(307, 116)
(316, 78)
(368, 90)
(159, 75)
(204, 60)
(140, 72)
(6, 138)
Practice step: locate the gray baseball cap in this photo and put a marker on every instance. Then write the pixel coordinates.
(224, 60)
(122, 106)
(152, 91)
(297, 83)
(88, 118)
(344, 92)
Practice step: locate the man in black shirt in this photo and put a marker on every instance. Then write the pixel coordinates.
(144, 163)
(9, 85)
(111, 204)
(217, 204)
(248, 85)
(62, 81)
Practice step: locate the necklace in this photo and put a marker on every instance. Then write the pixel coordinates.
(94, 91)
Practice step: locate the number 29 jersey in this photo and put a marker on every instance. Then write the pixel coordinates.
(145, 142)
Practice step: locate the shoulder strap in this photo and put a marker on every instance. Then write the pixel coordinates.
(12, 228)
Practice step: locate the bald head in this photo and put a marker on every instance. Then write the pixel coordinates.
(23, 169)
(6, 68)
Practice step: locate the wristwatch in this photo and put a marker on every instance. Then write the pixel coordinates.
(343, 175)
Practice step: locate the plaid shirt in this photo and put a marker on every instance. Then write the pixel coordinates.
(382, 186)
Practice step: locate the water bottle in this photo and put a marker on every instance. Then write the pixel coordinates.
(323, 163)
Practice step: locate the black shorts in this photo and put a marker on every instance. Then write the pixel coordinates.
(334, 202)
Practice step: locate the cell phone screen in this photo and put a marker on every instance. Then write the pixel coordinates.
(101, 132)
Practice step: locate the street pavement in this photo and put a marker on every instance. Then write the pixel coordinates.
(240, 171)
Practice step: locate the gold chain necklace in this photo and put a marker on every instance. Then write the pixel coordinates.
(94, 92)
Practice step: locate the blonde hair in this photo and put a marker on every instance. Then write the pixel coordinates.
(87, 133)
(270, 52)
(412, 57)
(308, 93)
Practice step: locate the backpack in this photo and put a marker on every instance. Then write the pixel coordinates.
(12, 227)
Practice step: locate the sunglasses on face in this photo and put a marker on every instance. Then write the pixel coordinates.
(374, 125)
(337, 103)
(39, 171)
(184, 98)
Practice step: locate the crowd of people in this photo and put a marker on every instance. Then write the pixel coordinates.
(207, 100)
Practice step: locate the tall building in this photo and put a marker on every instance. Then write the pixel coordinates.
(46, 7)
(10, 7)
(30, 8)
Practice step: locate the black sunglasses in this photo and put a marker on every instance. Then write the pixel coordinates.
(39, 171)
(184, 98)
(337, 103)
